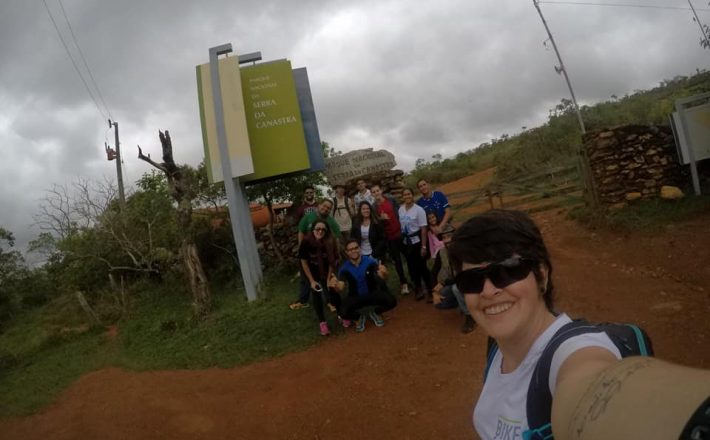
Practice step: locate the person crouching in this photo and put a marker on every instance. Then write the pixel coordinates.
(368, 295)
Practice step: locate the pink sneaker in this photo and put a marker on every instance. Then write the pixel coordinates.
(324, 330)
(347, 323)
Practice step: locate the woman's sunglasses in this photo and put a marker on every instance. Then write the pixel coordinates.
(501, 274)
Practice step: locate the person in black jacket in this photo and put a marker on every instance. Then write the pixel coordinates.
(367, 289)
(369, 232)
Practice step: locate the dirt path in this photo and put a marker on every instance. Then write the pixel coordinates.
(415, 378)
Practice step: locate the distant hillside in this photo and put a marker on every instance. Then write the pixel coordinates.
(551, 147)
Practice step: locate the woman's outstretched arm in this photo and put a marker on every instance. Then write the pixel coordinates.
(598, 397)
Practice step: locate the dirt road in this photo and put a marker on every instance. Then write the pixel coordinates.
(415, 378)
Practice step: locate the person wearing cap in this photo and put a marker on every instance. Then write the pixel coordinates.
(445, 292)
(343, 210)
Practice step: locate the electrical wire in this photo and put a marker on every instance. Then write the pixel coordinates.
(621, 5)
(76, 43)
(66, 48)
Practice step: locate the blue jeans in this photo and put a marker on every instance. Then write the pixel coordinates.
(304, 289)
(446, 293)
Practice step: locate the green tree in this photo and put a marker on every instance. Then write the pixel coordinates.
(12, 271)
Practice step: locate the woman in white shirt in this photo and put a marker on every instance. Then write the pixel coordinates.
(504, 272)
(412, 219)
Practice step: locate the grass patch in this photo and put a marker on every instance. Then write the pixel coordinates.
(646, 215)
(163, 335)
(39, 377)
(45, 350)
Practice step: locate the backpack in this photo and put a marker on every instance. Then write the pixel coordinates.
(394, 202)
(629, 339)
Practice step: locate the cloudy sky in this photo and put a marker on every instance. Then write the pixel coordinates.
(415, 77)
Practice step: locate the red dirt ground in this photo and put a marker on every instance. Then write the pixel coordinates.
(415, 378)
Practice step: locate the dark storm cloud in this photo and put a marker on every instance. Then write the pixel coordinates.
(419, 78)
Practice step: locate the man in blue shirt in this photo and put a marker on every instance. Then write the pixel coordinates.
(365, 278)
(436, 202)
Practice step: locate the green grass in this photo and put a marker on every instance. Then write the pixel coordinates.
(39, 377)
(646, 215)
(44, 351)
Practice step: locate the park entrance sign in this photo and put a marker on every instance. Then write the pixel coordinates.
(263, 107)
(278, 143)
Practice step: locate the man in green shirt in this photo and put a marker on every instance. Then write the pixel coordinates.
(322, 213)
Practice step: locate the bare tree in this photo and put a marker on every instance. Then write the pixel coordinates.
(86, 205)
(181, 191)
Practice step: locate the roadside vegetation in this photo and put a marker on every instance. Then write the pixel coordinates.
(111, 289)
(554, 145)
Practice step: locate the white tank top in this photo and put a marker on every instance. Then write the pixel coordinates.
(500, 412)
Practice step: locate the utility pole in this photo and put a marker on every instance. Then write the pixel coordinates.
(562, 67)
(119, 173)
(583, 161)
(702, 29)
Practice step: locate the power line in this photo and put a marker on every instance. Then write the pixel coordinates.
(66, 48)
(622, 5)
(76, 43)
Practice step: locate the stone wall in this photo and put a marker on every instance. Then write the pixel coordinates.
(632, 162)
(391, 181)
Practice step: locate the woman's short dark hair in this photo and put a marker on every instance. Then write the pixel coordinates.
(498, 234)
(408, 189)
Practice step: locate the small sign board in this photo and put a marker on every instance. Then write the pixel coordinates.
(341, 169)
(698, 123)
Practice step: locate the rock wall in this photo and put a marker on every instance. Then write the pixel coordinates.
(632, 162)
(391, 181)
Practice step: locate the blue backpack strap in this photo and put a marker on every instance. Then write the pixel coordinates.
(539, 402)
(629, 339)
(490, 354)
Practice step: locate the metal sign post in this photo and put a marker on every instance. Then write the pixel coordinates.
(239, 214)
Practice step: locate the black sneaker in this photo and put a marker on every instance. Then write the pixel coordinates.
(468, 325)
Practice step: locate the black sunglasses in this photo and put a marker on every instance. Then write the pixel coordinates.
(501, 274)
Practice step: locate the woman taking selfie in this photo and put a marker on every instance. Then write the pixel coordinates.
(579, 386)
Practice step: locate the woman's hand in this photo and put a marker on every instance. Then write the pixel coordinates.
(332, 281)
(315, 286)
(382, 271)
(424, 253)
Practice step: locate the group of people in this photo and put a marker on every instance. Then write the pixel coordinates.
(373, 222)
(546, 375)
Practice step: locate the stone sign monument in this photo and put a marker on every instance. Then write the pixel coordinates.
(343, 169)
